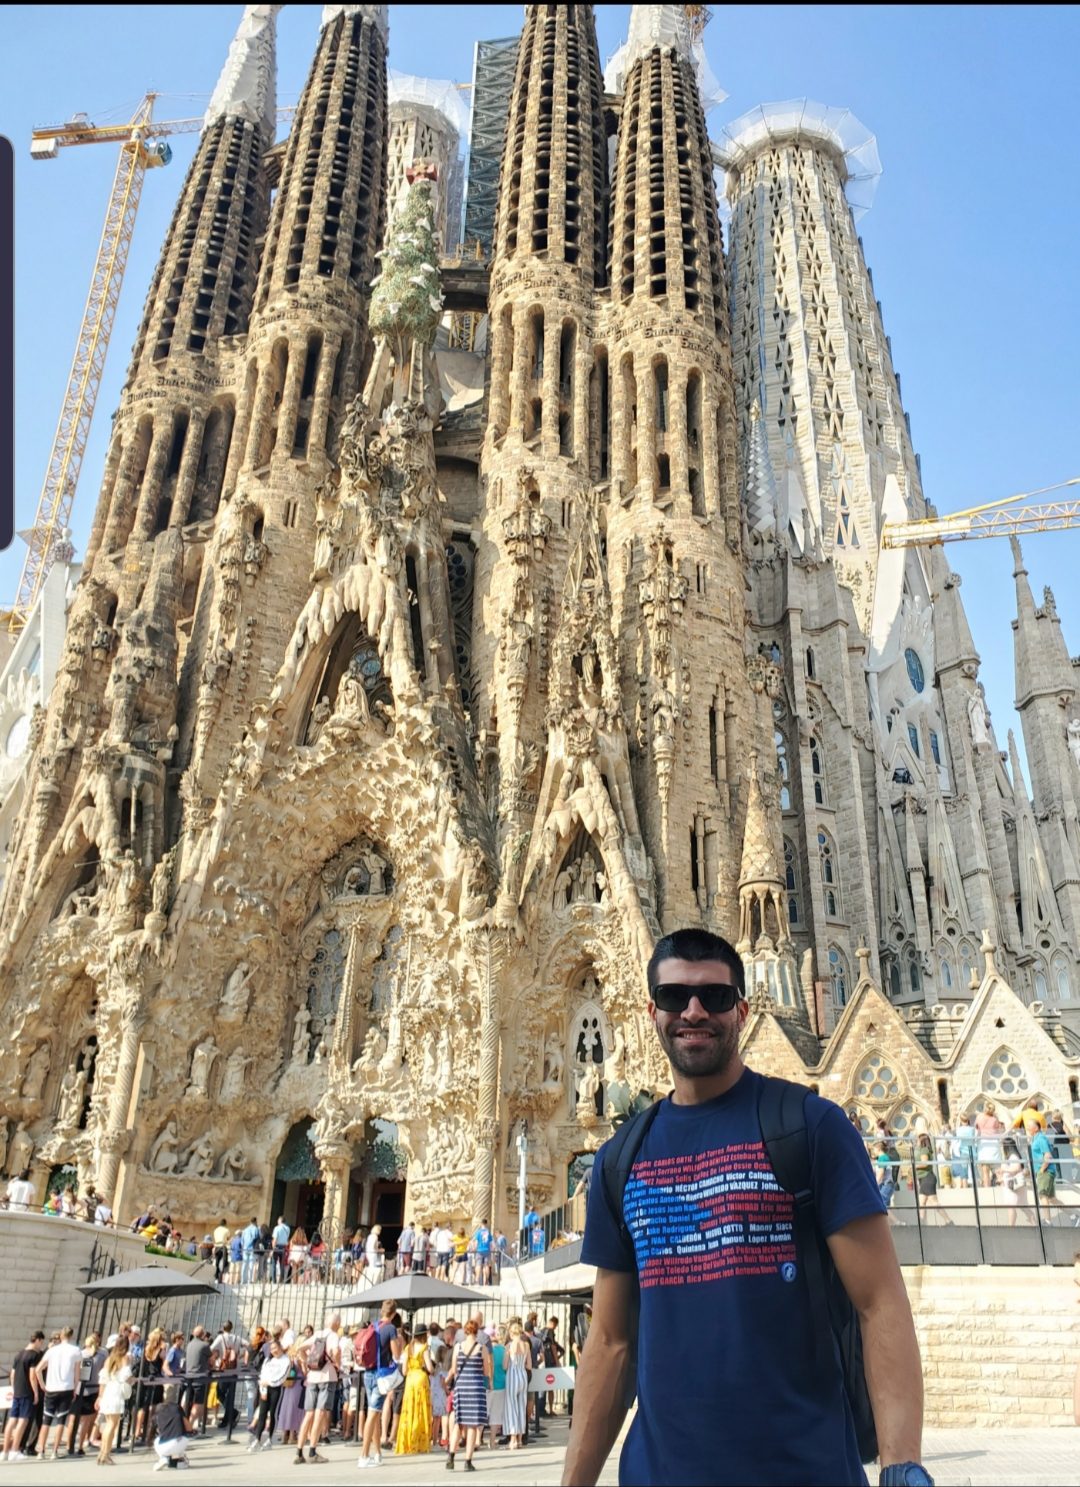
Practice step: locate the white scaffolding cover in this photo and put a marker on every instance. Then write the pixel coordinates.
(663, 26)
(376, 13)
(246, 88)
(802, 119)
(430, 93)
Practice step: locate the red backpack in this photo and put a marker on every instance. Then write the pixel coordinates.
(367, 1352)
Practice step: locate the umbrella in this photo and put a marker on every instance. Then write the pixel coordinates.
(411, 1292)
(147, 1283)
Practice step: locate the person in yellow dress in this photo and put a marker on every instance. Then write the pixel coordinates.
(414, 1424)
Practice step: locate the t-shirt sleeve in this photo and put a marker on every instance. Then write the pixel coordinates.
(843, 1180)
(605, 1244)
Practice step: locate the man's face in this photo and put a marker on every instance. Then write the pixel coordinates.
(699, 1045)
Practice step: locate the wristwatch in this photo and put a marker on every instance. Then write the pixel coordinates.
(905, 1474)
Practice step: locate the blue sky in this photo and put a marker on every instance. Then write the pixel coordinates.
(972, 238)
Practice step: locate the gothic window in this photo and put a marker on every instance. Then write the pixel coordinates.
(460, 557)
(783, 770)
(967, 963)
(1042, 986)
(895, 987)
(589, 1042)
(1005, 1076)
(817, 769)
(913, 739)
(326, 973)
(847, 534)
(830, 876)
(1062, 980)
(838, 975)
(935, 747)
(914, 979)
(810, 661)
(945, 974)
(916, 676)
(791, 880)
(876, 1081)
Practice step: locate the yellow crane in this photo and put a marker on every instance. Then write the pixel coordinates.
(142, 147)
(1004, 518)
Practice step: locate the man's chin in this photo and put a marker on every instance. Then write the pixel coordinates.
(699, 1061)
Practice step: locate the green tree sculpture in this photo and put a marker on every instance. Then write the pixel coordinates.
(406, 303)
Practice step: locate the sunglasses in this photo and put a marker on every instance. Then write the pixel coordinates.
(672, 996)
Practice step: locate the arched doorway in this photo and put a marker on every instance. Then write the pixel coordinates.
(298, 1189)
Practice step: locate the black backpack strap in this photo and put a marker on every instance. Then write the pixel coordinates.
(782, 1117)
(620, 1153)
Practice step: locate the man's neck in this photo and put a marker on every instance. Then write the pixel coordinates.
(689, 1091)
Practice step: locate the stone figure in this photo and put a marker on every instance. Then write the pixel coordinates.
(72, 1093)
(232, 1085)
(615, 1063)
(319, 717)
(21, 1150)
(977, 718)
(429, 1073)
(1073, 734)
(164, 1155)
(232, 1164)
(202, 1061)
(235, 996)
(351, 701)
(445, 1074)
(301, 1038)
(367, 1065)
(159, 887)
(36, 1071)
(588, 1086)
(553, 1063)
(200, 1159)
(563, 888)
(322, 1052)
(585, 887)
(376, 867)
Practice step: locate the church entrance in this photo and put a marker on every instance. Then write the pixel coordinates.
(298, 1189)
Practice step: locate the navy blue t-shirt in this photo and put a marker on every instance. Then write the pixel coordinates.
(727, 1387)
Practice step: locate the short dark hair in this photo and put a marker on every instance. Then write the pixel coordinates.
(697, 944)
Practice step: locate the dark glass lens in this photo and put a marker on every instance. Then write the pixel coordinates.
(672, 996)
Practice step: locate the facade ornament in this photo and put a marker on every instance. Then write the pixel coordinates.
(164, 1154)
(36, 1072)
(202, 1061)
(200, 1158)
(21, 1150)
(236, 993)
(978, 718)
(301, 1040)
(232, 1084)
(1073, 737)
(72, 1094)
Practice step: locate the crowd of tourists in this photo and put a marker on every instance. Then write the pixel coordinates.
(387, 1386)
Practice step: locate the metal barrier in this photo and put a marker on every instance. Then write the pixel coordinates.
(558, 1226)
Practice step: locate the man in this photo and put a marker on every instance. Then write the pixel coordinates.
(221, 1251)
(58, 1371)
(20, 1193)
(704, 1247)
(1047, 1171)
(498, 1255)
(534, 1407)
(288, 1336)
(483, 1239)
(224, 1357)
(103, 1215)
(385, 1336)
(197, 1369)
(279, 1240)
(170, 1444)
(324, 1364)
(26, 1391)
(248, 1240)
(420, 1250)
(405, 1245)
(553, 1355)
(444, 1248)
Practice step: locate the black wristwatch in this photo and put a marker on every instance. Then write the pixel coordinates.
(905, 1474)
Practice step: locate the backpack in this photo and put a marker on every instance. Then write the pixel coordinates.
(316, 1356)
(782, 1117)
(367, 1352)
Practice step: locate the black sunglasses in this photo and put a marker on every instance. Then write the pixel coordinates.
(672, 996)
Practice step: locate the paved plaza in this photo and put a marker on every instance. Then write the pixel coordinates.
(955, 1458)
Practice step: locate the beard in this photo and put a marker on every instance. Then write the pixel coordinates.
(700, 1060)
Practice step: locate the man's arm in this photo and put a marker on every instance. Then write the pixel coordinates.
(600, 1383)
(866, 1260)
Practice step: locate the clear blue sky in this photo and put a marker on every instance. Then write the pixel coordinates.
(972, 239)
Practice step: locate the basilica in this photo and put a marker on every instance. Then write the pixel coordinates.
(458, 616)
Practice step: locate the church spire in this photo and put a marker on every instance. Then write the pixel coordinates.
(760, 497)
(247, 87)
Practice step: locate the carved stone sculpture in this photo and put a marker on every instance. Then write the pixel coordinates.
(301, 1034)
(200, 1159)
(21, 1150)
(236, 994)
(72, 1093)
(36, 1071)
(232, 1084)
(164, 1154)
(202, 1061)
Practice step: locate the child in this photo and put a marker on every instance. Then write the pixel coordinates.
(171, 1442)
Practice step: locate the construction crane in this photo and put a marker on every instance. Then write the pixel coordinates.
(142, 147)
(1004, 518)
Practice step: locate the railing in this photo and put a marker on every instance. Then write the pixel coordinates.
(558, 1226)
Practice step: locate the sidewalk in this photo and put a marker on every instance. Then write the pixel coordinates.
(955, 1458)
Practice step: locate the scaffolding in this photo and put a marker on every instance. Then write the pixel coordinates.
(494, 63)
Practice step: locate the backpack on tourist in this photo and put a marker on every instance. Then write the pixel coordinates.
(316, 1355)
(367, 1349)
(782, 1118)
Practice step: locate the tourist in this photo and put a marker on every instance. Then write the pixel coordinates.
(148, 1386)
(172, 1443)
(273, 1371)
(173, 1367)
(374, 1254)
(279, 1249)
(554, 1353)
(405, 1245)
(84, 1410)
(323, 1358)
(236, 1256)
(103, 1215)
(496, 1400)
(390, 1383)
(115, 1393)
(290, 1410)
(1064, 1149)
(414, 1425)
(536, 1401)
(963, 1152)
(68, 1207)
(315, 1270)
(298, 1253)
(795, 1424)
(498, 1255)
(420, 1250)
(224, 1357)
(444, 1248)
(248, 1238)
(197, 1370)
(883, 1171)
(518, 1364)
(58, 1371)
(989, 1150)
(350, 1378)
(483, 1239)
(437, 1361)
(378, 1357)
(926, 1176)
(20, 1193)
(25, 1392)
(1046, 1169)
(470, 1379)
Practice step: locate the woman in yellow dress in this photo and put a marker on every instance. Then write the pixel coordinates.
(414, 1424)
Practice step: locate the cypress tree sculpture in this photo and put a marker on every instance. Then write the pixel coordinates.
(406, 303)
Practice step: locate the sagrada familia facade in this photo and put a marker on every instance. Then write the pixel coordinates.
(396, 720)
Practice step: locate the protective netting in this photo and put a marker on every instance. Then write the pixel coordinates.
(245, 89)
(802, 119)
(376, 13)
(663, 26)
(441, 97)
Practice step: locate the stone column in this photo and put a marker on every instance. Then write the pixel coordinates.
(488, 961)
(290, 398)
(115, 1137)
(320, 403)
(189, 468)
(155, 476)
(335, 1164)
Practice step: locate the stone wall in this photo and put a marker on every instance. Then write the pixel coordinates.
(1000, 1345)
(42, 1261)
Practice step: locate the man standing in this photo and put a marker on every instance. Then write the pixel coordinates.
(483, 1252)
(58, 1371)
(221, 1251)
(248, 1241)
(224, 1356)
(26, 1390)
(702, 1243)
(323, 1370)
(20, 1193)
(197, 1369)
(280, 1248)
(498, 1255)
(444, 1248)
(405, 1245)
(384, 1339)
(420, 1250)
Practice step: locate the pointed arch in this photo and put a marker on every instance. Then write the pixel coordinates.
(1062, 979)
(791, 880)
(817, 769)
(839, 977)
(350, 653)
(830, 875)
